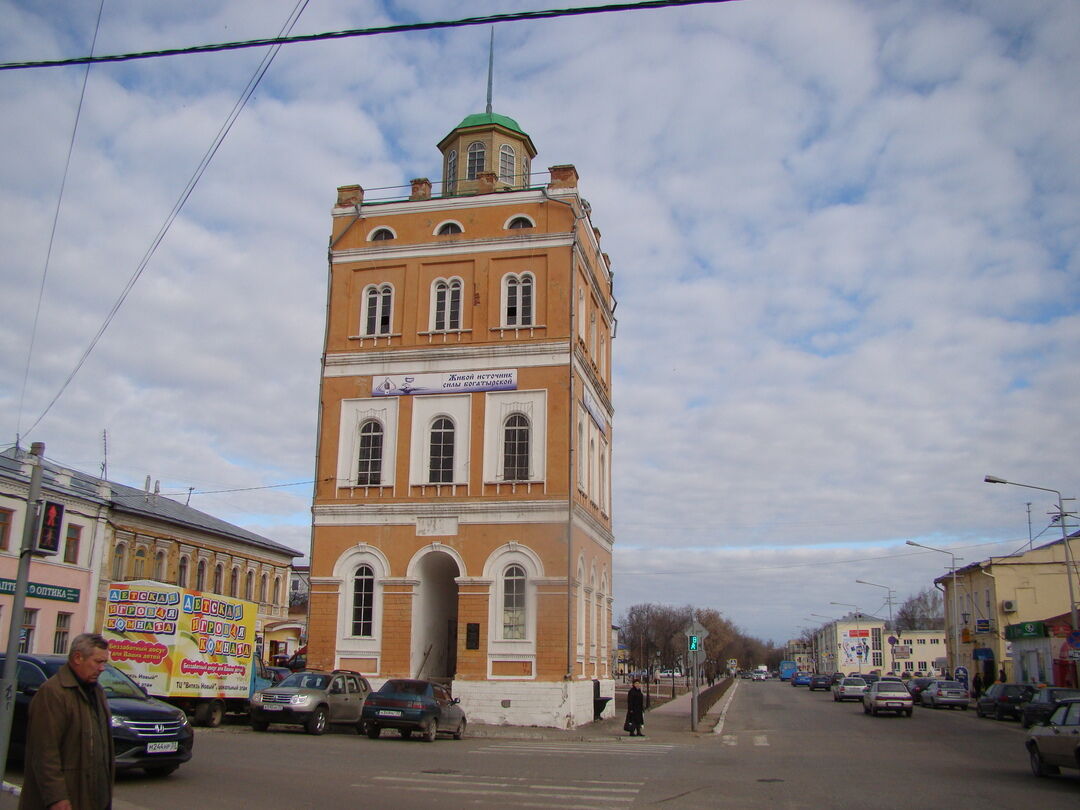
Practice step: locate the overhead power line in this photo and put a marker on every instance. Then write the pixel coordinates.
(545, 14)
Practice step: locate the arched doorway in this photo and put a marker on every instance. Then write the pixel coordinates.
(434, 619)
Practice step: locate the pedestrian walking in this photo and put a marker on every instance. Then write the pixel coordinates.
(69, 748)
(976, 686)
(635, 710)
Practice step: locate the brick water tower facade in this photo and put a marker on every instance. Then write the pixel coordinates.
(462, 514)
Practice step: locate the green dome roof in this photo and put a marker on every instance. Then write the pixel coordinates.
(481, 119)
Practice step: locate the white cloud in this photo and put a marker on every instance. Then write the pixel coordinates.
(844, 237)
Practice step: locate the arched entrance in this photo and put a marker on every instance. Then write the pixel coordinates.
(434, 619)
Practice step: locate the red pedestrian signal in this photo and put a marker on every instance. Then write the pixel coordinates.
(52, 518)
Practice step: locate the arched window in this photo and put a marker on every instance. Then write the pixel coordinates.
(441, 456)
(277, 590)
(447, 304)
(525, 170)
(363, 605)
(118, 563)
(514, 603)
(449, 229)
(249, 586)
(516, 448)
(378, 306)
(219, 579)
(234, 583)
(382, 235)
(477, 151)
(182, 572)
(159, 566)
(450, 180)
(262, 588)
(519, 300)
(506, 163)
(138, 568)
(602, 494)
(369, 467)
(200, 576)
(518, 223)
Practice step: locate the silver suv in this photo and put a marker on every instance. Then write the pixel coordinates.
(313, 700)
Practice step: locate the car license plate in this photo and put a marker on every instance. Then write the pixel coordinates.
(272, 708)
(893, 704)
(162, 747)
(388, 713)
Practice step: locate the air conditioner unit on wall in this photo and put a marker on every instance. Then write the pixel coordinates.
(1008, 605)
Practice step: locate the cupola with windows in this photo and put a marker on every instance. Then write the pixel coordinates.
(486, 152)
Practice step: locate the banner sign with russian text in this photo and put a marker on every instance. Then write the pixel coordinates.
(455, 382)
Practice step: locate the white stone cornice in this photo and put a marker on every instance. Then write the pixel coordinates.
(448, 358)
(374, 209)
(406, 514)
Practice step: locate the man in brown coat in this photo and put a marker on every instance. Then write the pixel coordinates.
(69, 748)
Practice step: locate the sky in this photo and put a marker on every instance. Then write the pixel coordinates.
(844, 237)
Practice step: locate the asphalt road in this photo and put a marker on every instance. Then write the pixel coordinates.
(780, 747)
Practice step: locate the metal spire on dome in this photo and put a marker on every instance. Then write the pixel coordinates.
(491, 67)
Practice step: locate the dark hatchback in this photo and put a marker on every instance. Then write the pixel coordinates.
(1003, 700)
(1042, 704)
(822, 682)
(409, 705)
(147, 733)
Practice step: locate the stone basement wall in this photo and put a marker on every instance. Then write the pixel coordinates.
(564, 704)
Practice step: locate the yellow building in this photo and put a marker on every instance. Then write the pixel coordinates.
(1012, 613)
(462, 526)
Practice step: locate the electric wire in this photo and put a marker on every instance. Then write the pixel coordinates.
(545, 14)
(253, 82)
(52, 231)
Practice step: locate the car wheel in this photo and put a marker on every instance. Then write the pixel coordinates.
(873, 711)
(406, 733)
(373, 731)
(259, 725)
(908, 712)
(316, 724)
(1038, 766)
(964, 707)
(460, 731)
(865, 709)
(432, 730)
(158, 771)
(997, 714)
(1024, 722)
(210, 713)
(979, 711)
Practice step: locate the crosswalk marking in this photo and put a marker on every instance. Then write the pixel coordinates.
(733, 739)
(502, 791)
(761, 739)
(577, 748)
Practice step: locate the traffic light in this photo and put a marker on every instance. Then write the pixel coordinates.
(693, 643)
(48, 540)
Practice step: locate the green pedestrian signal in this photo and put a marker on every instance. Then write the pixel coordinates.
(693, 643)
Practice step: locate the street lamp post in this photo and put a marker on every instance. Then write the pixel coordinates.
(955, 603)
(858, 627)
(1070, 568)
(890, 629)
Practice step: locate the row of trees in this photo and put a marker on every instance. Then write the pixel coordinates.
(654, 636)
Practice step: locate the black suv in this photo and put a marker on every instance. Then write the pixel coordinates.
(147, 733)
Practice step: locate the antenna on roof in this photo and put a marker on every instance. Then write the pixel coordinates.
(491, 66)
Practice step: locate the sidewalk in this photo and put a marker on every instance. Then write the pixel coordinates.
(668, 722)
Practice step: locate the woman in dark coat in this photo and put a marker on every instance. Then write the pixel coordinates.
(635, 710)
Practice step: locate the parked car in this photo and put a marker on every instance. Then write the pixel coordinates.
(944, 693)
(410, 705)
(916, 685)
(823, 682)
(1042, 704)
(836, 677)
(147, 733)
(887, 696)
(870, 677)
(1056, 744)
(312, 699)
(800, 679)
(1003, 700)
(849, 689)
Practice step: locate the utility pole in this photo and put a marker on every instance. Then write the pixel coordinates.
(31, 521)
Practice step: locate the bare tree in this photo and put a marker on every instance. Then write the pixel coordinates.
(923, 611)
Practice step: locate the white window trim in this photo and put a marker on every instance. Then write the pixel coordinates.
(376, 229)
(500, 649)
(425, 410)
(511, 218)
(348, 645)
(365, 303)
(498, 405)
(437, 228)
(354, 412)
(504, 297)
(431, 309)
(507, 149)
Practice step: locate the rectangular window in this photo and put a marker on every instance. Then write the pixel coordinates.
(5, 528)
(60, 637)
(71, 545)
(920, 641)
(26, 634)
(875, 635)
(877, 659)
(909, 666)
(922, 666)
